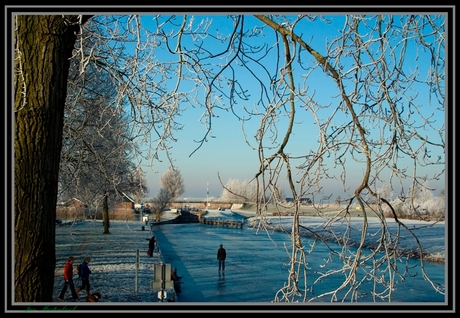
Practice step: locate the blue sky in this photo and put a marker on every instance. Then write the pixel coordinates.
(229, 155)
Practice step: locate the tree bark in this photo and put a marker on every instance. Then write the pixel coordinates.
(105, 213)
(43, 47)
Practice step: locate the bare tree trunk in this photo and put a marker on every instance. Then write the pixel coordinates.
(105, 214)
(43, 47)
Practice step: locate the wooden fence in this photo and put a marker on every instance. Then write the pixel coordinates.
(223, 222)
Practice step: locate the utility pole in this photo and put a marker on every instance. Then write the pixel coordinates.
(207, 194)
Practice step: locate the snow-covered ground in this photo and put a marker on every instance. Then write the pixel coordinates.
(123, 271)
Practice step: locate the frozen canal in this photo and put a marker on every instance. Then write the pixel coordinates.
(254, 266)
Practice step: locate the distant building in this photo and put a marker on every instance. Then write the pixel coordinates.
(71, 209)
(74, 202)
(127, 202)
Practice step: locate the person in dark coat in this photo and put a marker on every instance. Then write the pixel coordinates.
(221, 256)
(68, 280)
(176, 279)
(84, 274)
(152, 245)
(174, 276)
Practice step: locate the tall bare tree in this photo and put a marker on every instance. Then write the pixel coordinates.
(377, 127)
(139, 188)
(173, 183)
(239, 191)
(43, 48)
(97, 155)
(172, 186)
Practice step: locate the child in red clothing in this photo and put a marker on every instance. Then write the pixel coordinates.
(68, 280)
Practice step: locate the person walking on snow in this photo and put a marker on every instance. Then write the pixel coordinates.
(68, 280)
(221, 256)
(84, 274)
(176, 279)
(151, 245)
